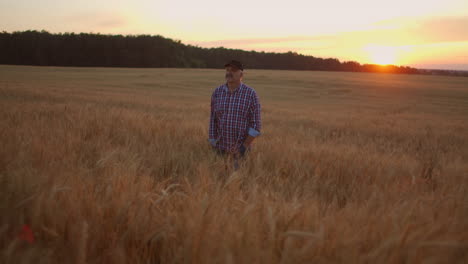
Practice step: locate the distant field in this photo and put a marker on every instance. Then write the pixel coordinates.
(112, 165)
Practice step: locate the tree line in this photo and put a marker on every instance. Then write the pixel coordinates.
(97, 50)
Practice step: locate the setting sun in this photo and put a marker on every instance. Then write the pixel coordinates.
(382, 55)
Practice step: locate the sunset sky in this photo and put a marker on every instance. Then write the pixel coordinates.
(424, 34)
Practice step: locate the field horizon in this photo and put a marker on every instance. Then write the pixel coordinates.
(112, 165)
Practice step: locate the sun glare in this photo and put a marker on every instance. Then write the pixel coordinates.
(382, 55)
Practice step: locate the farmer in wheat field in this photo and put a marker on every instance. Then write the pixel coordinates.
(235, 115)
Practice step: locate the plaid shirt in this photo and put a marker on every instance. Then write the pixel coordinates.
(234, 116)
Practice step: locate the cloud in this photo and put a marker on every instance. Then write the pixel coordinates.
(97, 22)
(250, 41)
(112, 22)
(301, 44)
(427, 30)
(395, 32)
(444, 29)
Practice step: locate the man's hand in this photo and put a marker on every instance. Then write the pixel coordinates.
(242, 149)
(213, 142)
(248, 141)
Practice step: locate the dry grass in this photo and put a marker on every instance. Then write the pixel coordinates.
(113, 166)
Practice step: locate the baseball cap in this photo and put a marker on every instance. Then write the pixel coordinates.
(235, 63)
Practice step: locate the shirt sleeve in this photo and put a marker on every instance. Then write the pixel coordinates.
(255, 121)
(212, 131)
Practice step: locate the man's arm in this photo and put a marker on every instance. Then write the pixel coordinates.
(212, 130)
(255, 121)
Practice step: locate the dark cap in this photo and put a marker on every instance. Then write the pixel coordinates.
(235, 63)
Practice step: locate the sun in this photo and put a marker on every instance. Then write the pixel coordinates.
(383, 55)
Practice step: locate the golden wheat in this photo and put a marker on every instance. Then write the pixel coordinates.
(113, 166)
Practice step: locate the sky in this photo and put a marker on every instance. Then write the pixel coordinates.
(423, 34)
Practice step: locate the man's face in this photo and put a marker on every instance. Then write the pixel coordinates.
(233, 74)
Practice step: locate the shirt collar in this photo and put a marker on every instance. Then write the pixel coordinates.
(226, 88)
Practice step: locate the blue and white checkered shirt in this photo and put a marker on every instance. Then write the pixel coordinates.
(234, 116)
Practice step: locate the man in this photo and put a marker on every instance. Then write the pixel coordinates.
(235, 114)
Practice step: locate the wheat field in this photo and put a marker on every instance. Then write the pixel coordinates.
(112, 165)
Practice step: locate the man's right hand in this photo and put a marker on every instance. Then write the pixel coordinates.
(212, 142)
(242, 149)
